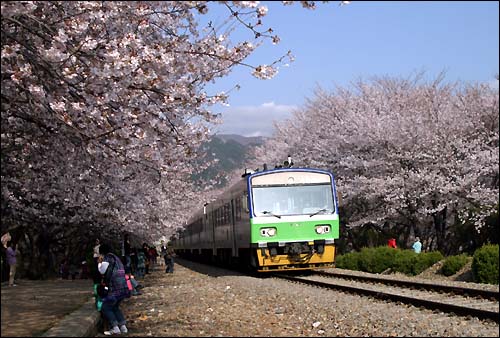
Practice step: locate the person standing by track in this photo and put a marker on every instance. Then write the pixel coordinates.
(417, 246)
(169, 260)
(163, 253)
(126, 254)
(95, 257)
(12, 262)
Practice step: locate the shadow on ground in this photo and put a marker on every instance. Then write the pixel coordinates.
(33, 307)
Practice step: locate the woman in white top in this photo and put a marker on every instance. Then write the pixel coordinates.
(96, 256)
(96, 248)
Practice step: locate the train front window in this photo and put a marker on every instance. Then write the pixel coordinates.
(285, 200)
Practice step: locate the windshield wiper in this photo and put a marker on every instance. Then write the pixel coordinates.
(265, 212)
(317, 212)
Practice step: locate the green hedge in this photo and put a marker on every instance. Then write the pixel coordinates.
(403, 261)
(485, 264)
(376, 260)
(425, 260)
(379, 259)
(453, 264)
(349, 261)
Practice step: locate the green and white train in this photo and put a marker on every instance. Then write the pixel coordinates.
(278, 219)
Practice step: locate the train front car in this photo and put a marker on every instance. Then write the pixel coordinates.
(294, 219)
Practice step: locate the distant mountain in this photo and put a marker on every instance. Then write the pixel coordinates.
(243, 140)
(232, 151)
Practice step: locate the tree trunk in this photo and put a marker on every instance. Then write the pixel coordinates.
(439, 220)
(39, 255)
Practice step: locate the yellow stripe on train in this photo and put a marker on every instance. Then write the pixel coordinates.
(299, 262)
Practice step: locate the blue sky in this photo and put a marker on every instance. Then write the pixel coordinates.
(336, 45)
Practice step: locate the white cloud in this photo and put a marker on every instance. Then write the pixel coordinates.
(268, 104)
(253, 120)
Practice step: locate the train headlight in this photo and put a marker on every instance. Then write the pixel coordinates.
(268, 232)
(322, 229)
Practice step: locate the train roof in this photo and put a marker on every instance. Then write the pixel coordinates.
(277, 170)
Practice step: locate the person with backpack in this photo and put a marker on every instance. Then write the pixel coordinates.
(113, 290)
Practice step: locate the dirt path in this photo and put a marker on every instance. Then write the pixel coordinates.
(32, 307)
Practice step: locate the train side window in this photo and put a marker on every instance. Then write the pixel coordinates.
(237, 207)
(219, 216)
(227, 210)
(212, 218)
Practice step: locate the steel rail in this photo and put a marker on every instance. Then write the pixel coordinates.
(429, 304)
(461, 290)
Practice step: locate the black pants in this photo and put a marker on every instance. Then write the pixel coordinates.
(169, 262)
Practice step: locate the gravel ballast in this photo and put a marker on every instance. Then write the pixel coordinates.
(198, 300)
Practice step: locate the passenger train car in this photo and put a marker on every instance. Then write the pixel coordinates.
(278, 219)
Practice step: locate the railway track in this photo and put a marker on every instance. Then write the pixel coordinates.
(463, 301)
(430, 285)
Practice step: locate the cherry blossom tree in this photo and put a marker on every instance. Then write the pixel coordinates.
(422, 156)
(104, 109)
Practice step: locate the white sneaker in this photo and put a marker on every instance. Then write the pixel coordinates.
(114, 330)
(123, 329)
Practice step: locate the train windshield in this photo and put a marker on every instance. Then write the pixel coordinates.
(292, 195)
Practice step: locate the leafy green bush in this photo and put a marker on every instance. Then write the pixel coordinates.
(404, 261)
(348, 261)
(376, 260)
(485, 264)
(425, 260)
(453, 264)
(379, 259)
